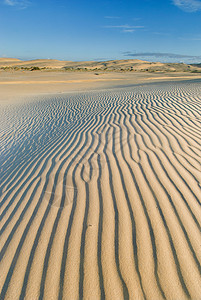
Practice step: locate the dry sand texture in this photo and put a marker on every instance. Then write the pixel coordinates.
(100, 195)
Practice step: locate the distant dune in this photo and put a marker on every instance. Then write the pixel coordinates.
(41, 63)
(9, 60)
(129, 65)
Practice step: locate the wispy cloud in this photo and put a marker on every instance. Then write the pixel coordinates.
(21, 4)
(124, 26)
(188, 5)
(136, 19)
(128, 30)
(111, 17)
(161, 33)
(165, 57)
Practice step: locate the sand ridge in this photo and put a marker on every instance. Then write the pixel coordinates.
(100, 195)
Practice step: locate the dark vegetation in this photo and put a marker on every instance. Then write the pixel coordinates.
(17, 68)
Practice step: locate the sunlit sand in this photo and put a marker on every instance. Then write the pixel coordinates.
(100, 189)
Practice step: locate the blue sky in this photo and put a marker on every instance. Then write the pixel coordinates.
(155, 30)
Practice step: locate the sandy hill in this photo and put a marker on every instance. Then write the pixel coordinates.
(110, 65)
(8, 61)
(41, 63)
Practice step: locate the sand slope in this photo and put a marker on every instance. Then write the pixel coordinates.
(100, 195)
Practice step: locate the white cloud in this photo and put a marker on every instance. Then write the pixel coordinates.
(188, 5)
(17, 3)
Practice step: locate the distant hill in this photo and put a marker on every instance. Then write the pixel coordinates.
(41, 63)
(127, 65)
(4, 60)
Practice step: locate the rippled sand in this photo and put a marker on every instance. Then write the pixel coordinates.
(100, 195)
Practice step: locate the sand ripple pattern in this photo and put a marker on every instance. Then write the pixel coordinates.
(100, 195)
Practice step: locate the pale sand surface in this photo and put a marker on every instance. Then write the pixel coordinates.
(100, 191)
(14, 85)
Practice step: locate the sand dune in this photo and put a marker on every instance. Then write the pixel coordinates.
(125, 65)
(100, 195)
(47, 63)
